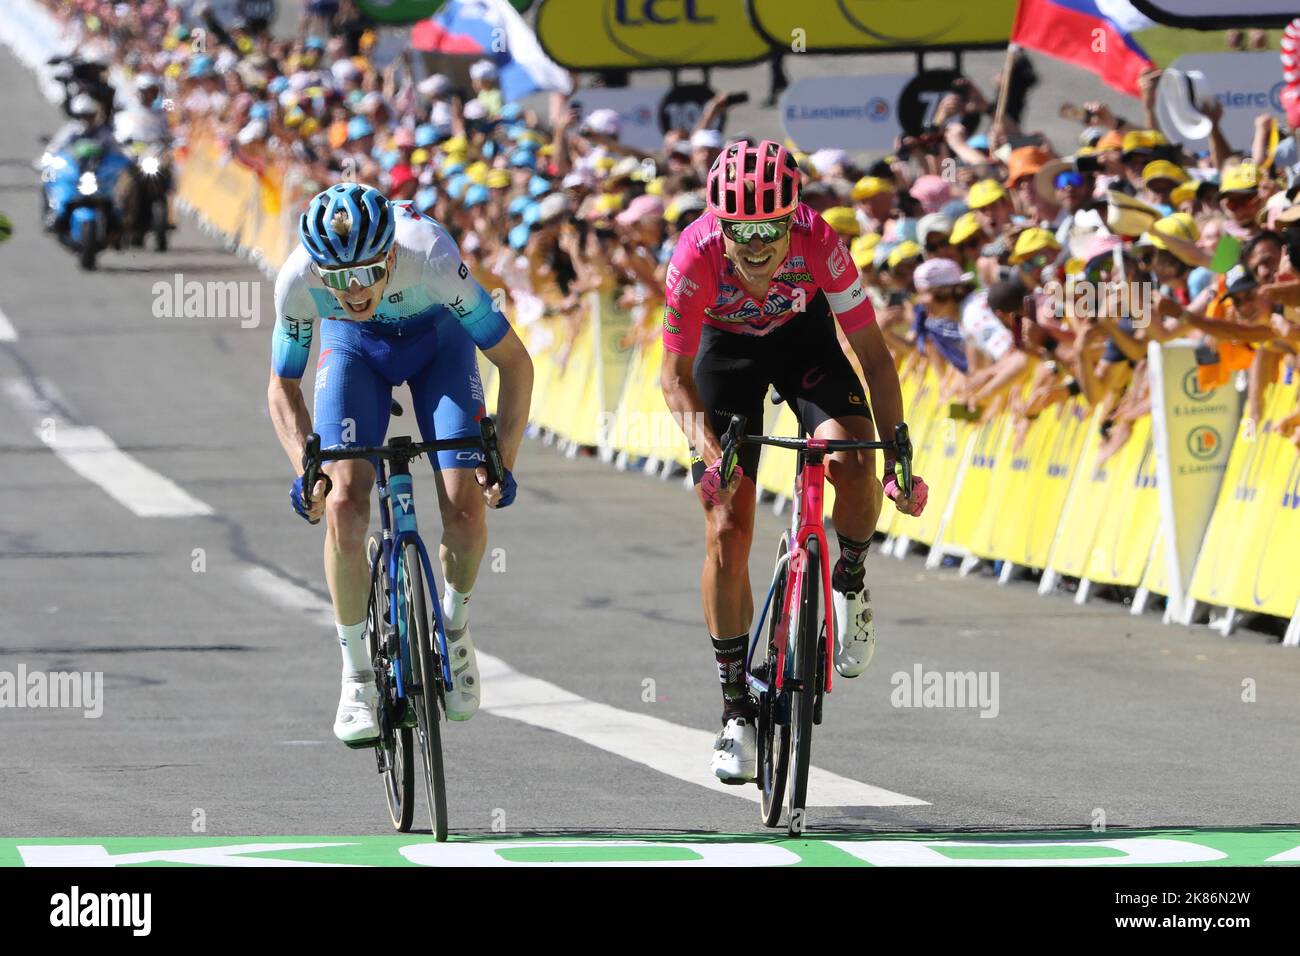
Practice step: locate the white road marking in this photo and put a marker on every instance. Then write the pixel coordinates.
(681, 752)
(7, 331)
(290, 596)
(91, 453)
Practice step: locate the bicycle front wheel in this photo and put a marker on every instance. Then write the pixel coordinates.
(397, 742)
(425, 680)
(803, 696)
(773, 737)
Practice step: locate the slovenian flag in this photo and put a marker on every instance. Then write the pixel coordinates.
(1093, 34)
(476, 28)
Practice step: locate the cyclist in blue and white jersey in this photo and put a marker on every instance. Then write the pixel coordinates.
(397, 305)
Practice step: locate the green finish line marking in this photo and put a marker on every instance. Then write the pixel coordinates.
(1164, 847)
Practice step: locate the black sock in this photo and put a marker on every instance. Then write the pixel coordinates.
(849, 573)
(730, 652)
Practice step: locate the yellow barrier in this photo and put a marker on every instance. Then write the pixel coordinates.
(1247, 559)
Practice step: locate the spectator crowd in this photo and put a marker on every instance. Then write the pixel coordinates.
(1024, 272)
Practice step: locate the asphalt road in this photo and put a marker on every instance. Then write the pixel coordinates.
(219, 697)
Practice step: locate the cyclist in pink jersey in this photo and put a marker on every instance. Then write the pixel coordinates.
(754, 290)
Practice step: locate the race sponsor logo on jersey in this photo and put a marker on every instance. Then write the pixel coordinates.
(678, 284)
(463, 271)
(793, 277)
(299, 330)
(458, 306)
(839, 261)
(671, 318)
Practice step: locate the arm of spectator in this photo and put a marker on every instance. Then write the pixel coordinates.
(713, 109)
(214, 27)
(1129, 344)
(562, 118)
(1283, 293)
(1259, 144)
(1234, 331)
(1003, 374)
(1147, 83)
(954, 135)
(1212, 109)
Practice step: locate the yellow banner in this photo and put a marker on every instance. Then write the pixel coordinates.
(1051, 472)
(629, 34)
(873, 25)
(1127, 526)
(1256, 512)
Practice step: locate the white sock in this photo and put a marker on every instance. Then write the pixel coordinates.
(356, 656)
(455, 608)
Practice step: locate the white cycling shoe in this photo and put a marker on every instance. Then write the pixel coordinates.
(462, 699)
(855, 631)
(357, 720)
(735, 751)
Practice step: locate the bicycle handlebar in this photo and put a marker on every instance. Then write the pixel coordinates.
(313, 457)
(735, 436)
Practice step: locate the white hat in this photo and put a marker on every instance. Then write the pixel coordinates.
(605, 122)
(474, 110)
(824, 160)
(253, 132)
(483, 70)
(552, 205)
(82, 105)
(936, 273)
(706, 139)
(578, 178)
(440, 114)
(434, 86)
(1178, 92)
(344, 70)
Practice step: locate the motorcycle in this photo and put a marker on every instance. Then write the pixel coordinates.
(153, 176)
(145, 138)
(79, 189)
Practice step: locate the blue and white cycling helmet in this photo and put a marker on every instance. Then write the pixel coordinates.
(347, 223)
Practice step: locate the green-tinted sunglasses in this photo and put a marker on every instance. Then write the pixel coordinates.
(767, 230)
(364, 276)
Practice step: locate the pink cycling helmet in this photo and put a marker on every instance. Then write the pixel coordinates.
(749, 182)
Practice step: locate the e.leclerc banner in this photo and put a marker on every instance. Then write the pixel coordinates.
(1193, 433)
(640, 34)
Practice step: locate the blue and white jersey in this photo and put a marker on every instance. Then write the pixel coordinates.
(430, 285)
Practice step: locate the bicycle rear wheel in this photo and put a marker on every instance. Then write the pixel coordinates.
(773, 737)
(426, 679)
(396, 740)
(806, 638)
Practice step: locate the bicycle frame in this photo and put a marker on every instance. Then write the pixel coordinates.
(398, 527)
(805, 522)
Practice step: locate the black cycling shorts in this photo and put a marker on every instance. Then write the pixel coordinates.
(802, 358)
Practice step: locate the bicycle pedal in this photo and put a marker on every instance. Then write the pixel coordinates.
(735, 781)
(361, 744)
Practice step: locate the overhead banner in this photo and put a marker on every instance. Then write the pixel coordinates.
(847, 26)
(643, 34)
(843, 112)
(1193, 432)
(637, 108)
(1247, 84)
(1217, 15)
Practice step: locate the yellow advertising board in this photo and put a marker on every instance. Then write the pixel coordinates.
(1127, 525)
(1051, 471)
(638, 34)
(822, 26)
(975, 496)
